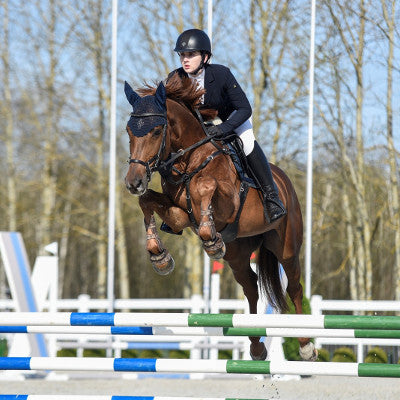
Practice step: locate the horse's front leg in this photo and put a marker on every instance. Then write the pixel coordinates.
(213, 244)
(151, 201)
(160, 257)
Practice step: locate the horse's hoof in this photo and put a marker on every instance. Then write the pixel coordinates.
(216, 248)
(260, 357)
(216, 255)
(308, 352)
(163, 263)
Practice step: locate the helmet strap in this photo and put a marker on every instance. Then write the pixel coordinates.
(201, 65)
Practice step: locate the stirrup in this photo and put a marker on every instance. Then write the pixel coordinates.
(279, 209)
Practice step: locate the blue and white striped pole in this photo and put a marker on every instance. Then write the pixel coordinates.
(203, 366)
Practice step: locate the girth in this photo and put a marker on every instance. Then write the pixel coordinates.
(229, 233)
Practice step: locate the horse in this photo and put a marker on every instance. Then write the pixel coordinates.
(201, 190)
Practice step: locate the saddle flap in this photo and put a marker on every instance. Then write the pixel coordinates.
(239, 161)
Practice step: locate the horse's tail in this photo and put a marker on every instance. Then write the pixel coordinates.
(269, 279)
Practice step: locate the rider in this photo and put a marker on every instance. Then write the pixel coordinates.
(224, 94)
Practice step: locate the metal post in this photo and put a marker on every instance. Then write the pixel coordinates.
(206, 259)
(308, 271)
(111, 199)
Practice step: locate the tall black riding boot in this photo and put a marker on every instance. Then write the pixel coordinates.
(260, 168)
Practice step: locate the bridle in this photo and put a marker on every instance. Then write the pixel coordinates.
(156, 159)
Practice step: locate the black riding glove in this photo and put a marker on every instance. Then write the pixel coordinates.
(215, 131)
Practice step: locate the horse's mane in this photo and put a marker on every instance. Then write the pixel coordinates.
(182, 90)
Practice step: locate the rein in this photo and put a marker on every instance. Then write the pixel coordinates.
(167, 166)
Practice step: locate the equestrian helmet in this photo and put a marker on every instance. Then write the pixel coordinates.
(193, 40)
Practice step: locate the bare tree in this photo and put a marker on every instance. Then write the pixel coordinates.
(46, 48)
(7, 112)
(121, 247)
(336, 125)
(389, 14)
(277, 91)
(91, 36)
(353, 40)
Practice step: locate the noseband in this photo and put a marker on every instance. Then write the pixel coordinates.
(156, 159)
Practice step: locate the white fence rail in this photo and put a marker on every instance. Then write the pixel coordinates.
(318, 305)
(356, 307)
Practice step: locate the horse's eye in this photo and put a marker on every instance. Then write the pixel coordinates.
(157, 131)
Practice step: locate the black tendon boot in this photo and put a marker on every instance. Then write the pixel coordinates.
(260, 168)
(166, 228)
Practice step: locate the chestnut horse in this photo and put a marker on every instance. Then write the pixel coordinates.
(202, 191)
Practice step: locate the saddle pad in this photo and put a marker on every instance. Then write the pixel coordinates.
(240, 168)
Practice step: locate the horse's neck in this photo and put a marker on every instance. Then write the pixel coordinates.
(186, 128)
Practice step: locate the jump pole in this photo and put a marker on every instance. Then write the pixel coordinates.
(203, 366)
(97, 397)
(205, 331)
(149, 345)
(202, 320)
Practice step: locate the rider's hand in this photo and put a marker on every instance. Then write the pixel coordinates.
(215, 131)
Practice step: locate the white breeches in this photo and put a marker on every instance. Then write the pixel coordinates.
(245, 132)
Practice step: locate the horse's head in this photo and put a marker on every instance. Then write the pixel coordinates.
(147, 129)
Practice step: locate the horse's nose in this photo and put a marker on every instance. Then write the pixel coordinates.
(136, 186)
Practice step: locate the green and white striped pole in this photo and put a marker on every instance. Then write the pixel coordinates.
(202, 320)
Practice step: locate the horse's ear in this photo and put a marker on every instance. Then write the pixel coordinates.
(130, 94)
(161, 96)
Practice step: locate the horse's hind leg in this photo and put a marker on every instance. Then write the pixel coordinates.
(238, 256)
(295, 291)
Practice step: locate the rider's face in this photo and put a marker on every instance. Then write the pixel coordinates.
(190, 60)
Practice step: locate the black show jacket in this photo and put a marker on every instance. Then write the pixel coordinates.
(223, 93)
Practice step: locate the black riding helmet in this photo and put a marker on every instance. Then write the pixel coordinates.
(194, 40)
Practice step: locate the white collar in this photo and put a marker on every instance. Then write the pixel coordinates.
(199, 78)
